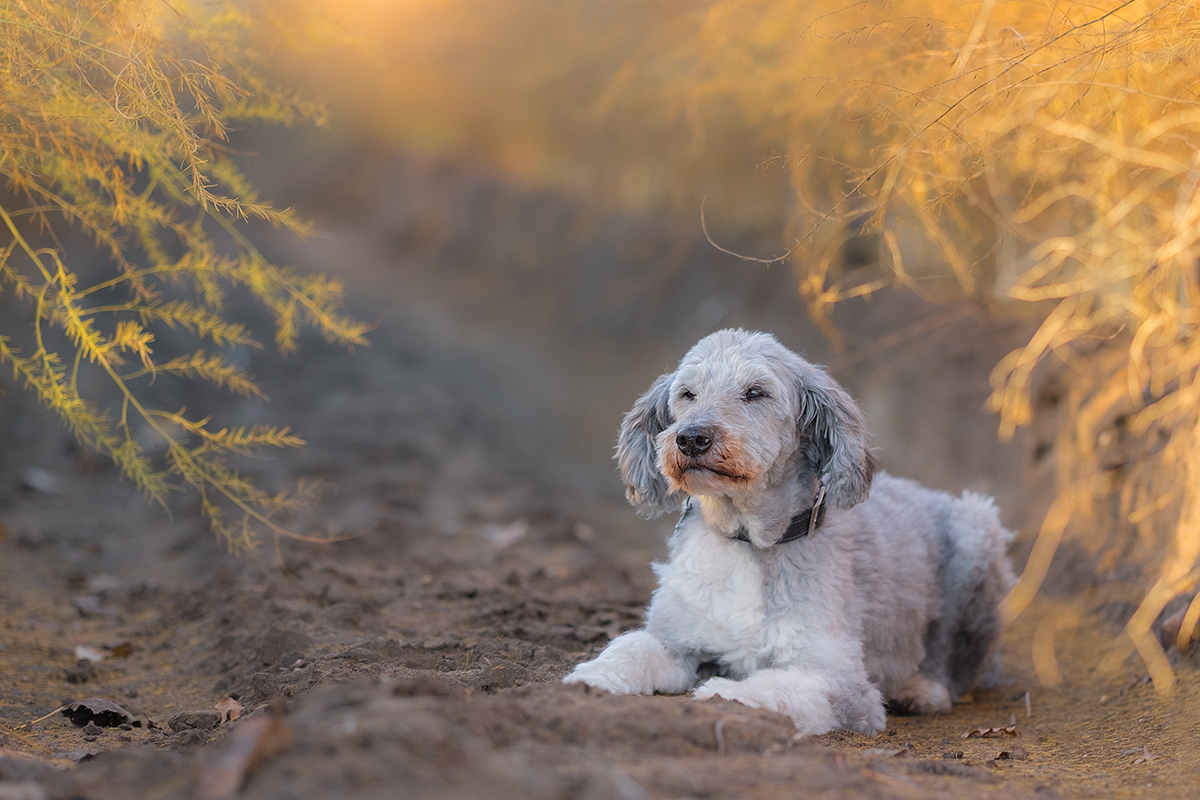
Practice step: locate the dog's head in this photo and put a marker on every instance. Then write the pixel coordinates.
(739, 410)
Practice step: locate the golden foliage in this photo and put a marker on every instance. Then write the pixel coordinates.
(1049, 153)
(114, 121)
(1038, 157)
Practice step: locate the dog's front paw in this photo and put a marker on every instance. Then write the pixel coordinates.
(803, 697)
(873, 721)
(635, 663)
(603, 676)
(920, 695)
(727, 690)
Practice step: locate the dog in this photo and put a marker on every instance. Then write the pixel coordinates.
(800, 579)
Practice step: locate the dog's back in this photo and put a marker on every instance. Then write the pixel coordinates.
(963, 536)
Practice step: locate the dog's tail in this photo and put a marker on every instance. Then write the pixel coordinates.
(981, 542)
(978, 576)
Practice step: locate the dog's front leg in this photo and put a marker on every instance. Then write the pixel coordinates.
(636, 663)
(816, 701)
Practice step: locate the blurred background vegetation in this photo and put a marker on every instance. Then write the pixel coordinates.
(1038, 160)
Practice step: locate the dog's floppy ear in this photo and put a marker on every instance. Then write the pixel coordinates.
(637, 453)
(835, 429)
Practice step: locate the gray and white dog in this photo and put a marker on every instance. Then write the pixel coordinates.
(785, 581)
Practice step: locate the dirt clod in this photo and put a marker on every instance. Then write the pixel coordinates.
(97, 711)
(199, 720)
(83, 671)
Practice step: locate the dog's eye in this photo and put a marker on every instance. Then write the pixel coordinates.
(754, 393)
(686, 394)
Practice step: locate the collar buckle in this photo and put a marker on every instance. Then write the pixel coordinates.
(803, 524)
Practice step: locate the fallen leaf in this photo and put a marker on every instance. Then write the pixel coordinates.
(506, 535)
(230, 709)
(104, 713)
(44, 481)
(123, 650)
(1145, 758)
(886, 752)
(89, 653)
(254, 741)
(90, 605)
(984, 733)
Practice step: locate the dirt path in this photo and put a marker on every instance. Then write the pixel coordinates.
(421, 658)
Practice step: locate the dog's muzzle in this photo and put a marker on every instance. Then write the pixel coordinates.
(694, 440)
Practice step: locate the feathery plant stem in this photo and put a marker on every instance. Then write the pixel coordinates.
(113, 126)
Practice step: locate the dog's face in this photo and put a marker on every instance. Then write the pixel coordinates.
(734, 418)
(740, 412)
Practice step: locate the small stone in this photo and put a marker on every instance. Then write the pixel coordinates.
(82, 672)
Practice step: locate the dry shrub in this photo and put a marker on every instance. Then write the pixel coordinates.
(1049, 154)
(115, 124)
(1038, 158)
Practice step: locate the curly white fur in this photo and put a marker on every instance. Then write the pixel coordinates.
(892, 598)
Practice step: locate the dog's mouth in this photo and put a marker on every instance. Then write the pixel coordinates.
(712, 470)
(718, 464)
(682, 468)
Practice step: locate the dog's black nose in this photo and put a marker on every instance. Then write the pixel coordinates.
(694, 441)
